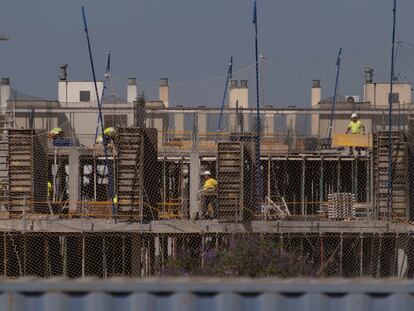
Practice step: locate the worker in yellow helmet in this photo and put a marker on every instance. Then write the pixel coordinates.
(56, 133)
(210, 195)
(110, 132)
(355, 127)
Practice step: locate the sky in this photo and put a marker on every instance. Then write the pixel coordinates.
(190, 42)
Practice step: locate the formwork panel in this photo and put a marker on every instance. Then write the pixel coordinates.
(27, 162)
(137, 175)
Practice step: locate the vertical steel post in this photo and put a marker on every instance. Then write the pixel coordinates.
(258, 127)
(390, 171)
(303, 185)
(338, 66)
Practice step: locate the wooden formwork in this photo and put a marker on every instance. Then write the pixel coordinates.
(398, 194)
(236, 180)
(137, 171)
(27, 164)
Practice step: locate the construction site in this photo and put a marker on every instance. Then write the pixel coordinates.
(313, 201)
(323, 201)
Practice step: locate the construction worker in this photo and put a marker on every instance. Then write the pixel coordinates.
(49, 189)
(99, 139)
(355, 127)
(110, 132)
(115, 201)
(56, 133)
(210, 195)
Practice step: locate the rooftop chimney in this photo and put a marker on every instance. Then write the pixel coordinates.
(369, 74)
(316, 83)
(163, 91)
(131, 90)
(233, 84)
(63, 72)
(4, 92)
(315, 99)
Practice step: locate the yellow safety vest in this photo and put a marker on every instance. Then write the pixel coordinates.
(116, 199)
(355, 127)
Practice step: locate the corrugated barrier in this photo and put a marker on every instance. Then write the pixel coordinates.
(205, 294)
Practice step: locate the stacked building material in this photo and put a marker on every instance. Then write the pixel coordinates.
(340, 205)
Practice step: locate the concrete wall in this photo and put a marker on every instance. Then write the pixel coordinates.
(377, 93)
(68, 91)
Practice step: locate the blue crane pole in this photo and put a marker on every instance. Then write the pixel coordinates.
(390, 172)
(105, 143)
(258, 127)
(226, 86)
(106, 78)
(338, 66)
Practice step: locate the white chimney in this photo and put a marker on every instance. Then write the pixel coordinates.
(163, 91)
(132, 90)
(315, 99)
(4, 92)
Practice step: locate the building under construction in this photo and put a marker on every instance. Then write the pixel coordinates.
(59, 216)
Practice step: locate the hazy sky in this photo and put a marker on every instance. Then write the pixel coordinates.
(188, 40)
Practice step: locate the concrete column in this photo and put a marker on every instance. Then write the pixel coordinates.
(74, 179)
(194, 169)
(179, 123)
(194, 182)
(164, 91)
(315, 99)
(269, 125)
(291, 128)
(202, 121)
(4, 92)
(132, 90)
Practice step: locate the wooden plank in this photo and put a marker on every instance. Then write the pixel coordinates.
(352, 140)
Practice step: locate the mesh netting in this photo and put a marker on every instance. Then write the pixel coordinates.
(178, 197)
